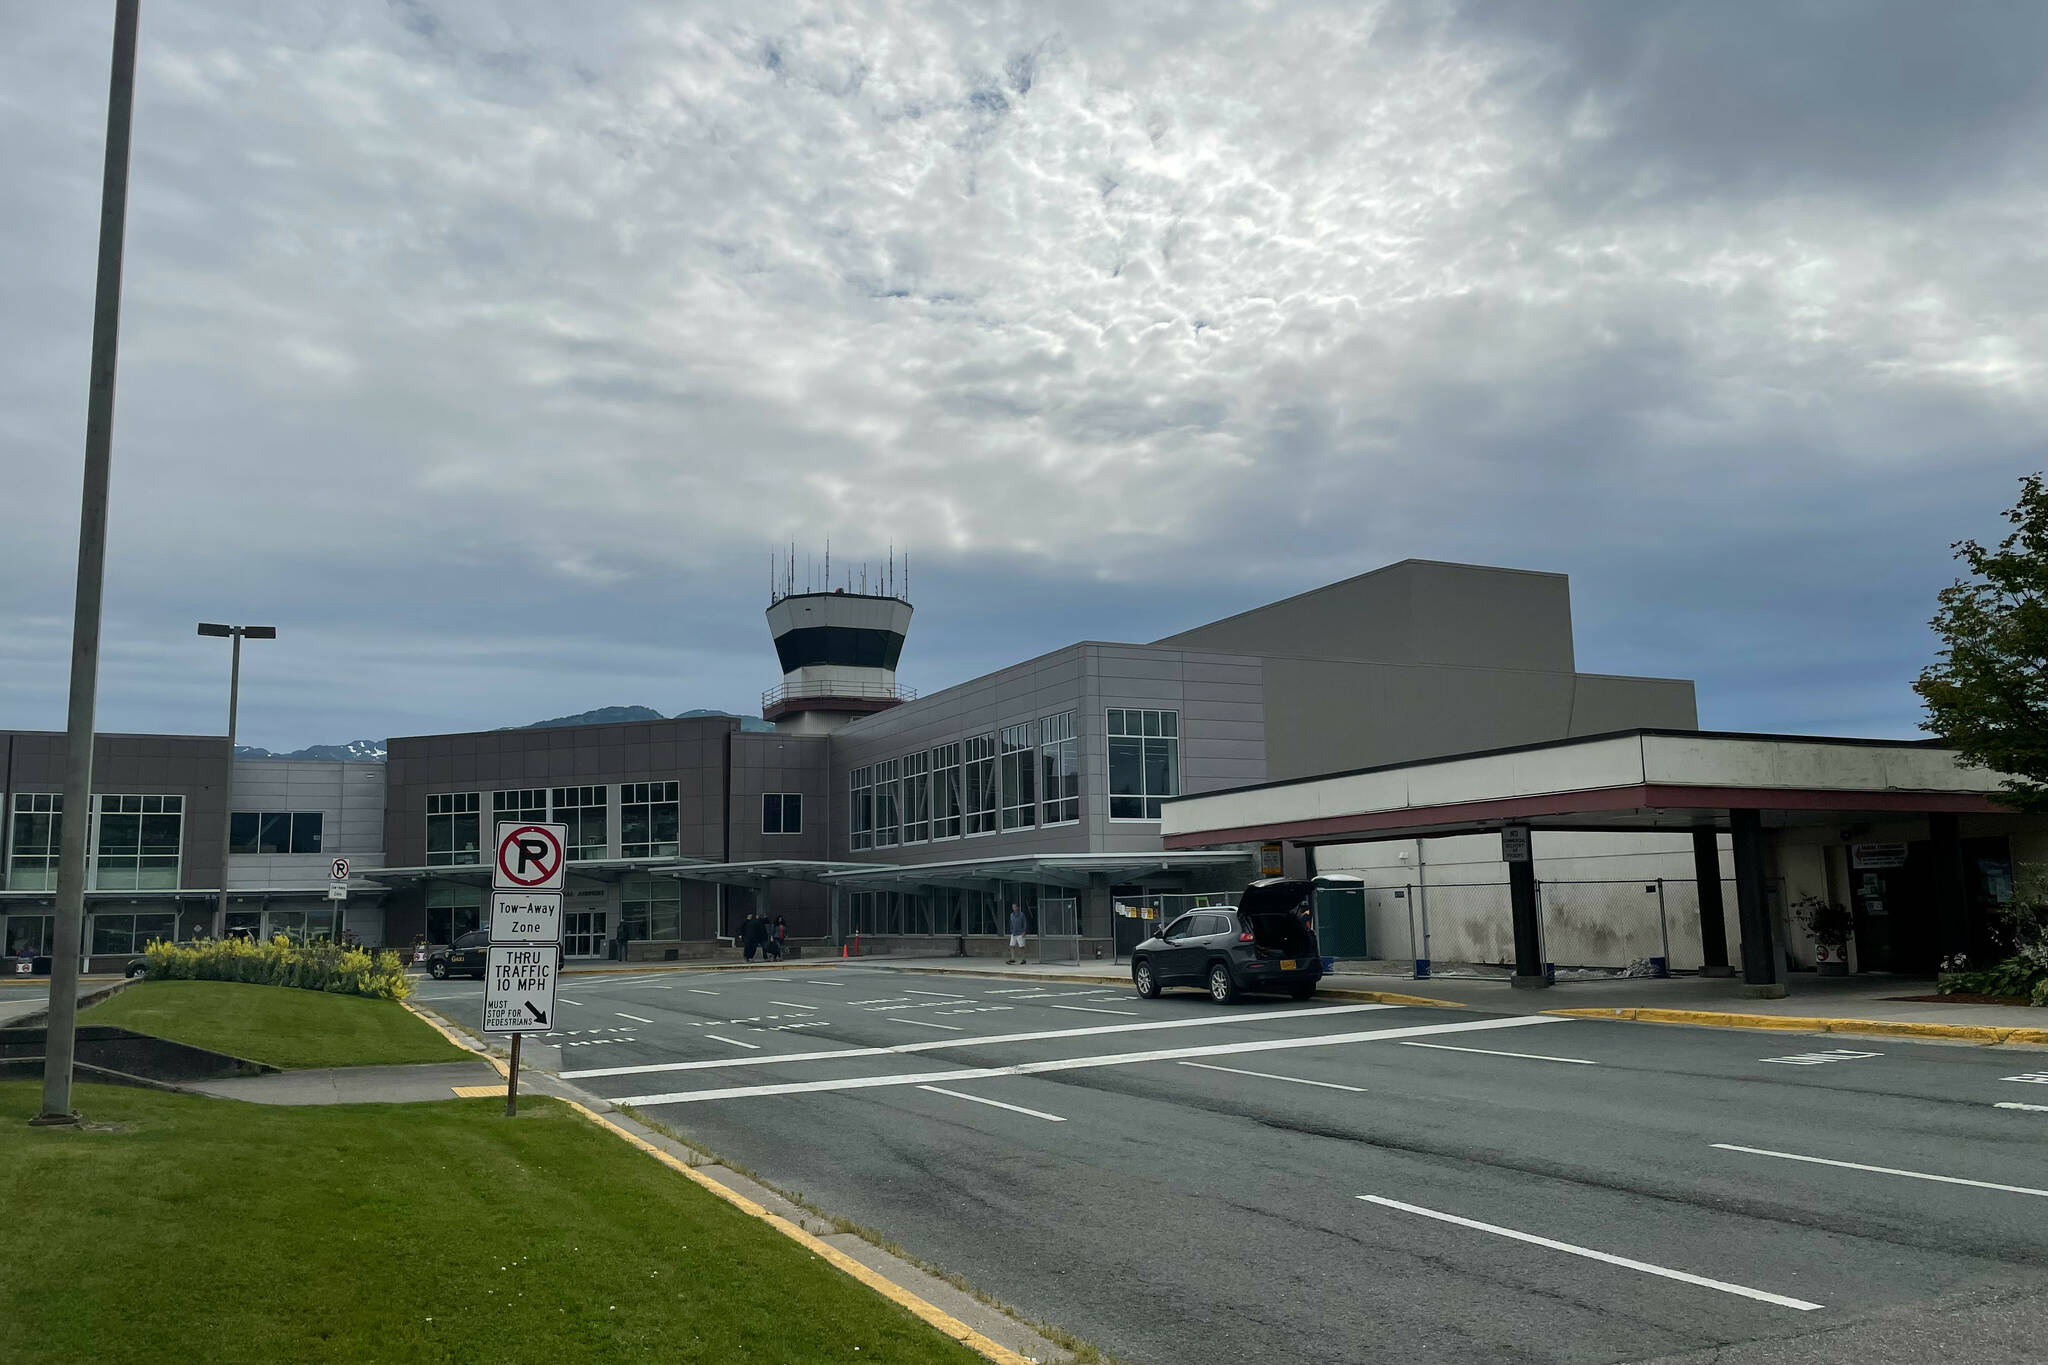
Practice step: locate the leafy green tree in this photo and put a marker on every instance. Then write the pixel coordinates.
(1987, 694)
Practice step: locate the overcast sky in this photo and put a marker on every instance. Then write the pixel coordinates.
(489, 348)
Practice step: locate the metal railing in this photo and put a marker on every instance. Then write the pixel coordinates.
(857, 691)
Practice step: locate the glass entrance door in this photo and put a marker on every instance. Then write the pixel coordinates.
(583, 933)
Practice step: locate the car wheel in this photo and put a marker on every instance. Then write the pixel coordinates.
(1302, 992)
(438, 970)
(1146, 983)
(1221, 988)
(138, 971)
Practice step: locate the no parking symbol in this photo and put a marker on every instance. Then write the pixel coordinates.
(529, 857)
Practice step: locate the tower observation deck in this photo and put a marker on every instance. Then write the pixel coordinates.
(838, 651)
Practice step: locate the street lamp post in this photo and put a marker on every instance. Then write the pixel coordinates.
(227, 815)
(61, 1031)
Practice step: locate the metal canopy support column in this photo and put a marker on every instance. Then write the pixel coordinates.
(1752, 909)
(1951, 897)
(1528, 928)
(1706, 870)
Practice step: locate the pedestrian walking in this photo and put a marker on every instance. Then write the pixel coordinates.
(1017, 926)
(781, 936)
(750, 935)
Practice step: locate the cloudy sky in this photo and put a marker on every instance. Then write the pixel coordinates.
(489, 348)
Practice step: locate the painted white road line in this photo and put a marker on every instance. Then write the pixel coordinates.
(1685, 1277)
(1532, 1056)
(1822, 1058)
(926, 1023)
(1883, 1170)
(1271, 1076)
(941, 995)
(1093, 1009)
(634, 1017)
(694, 991)
(565, 1000)
(1171, 1054)
(652, 987)
(1043, 1035)
(793, 1004)
(2015, 1104)
(734, 1041)
(995, 1104)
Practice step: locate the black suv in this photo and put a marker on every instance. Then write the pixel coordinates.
(468, 956)
(1264, 945)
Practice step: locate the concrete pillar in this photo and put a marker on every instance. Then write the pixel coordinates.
(1096, 913)
(1528, 928)
(1953, 929)
(1706, 870)
(1760, 967)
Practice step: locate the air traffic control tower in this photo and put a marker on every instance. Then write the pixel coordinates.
(838, 652)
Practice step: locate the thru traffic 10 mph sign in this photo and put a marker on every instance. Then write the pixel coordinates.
(519, 988)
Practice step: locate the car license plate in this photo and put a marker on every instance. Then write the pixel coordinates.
(1287, 964)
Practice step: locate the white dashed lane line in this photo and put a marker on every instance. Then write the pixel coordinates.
(1270, 1076)
(565, 1000)
(926, 1023)
(2015, 1104)
(1093, 1009)
(734, 1041)
(695, 991)
(1664, 1272)
(793, 1004)
(995, 1104)
(634, 1017)
(1882, 1170)
(1489, 1052)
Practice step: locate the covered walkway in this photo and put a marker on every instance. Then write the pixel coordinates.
(1759, 790)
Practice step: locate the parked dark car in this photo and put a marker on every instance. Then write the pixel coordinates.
(1263, 946)
(464, 957)
(467, 956)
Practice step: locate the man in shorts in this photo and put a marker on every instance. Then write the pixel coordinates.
(1016, 933)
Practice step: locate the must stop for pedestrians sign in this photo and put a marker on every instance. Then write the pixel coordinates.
(519, 988)
(529, 857)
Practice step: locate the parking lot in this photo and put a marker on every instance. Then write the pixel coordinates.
(1177, 1180)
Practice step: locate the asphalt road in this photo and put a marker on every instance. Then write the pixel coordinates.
(1179, 1181)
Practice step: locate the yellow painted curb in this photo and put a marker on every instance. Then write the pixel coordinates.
(887, 1288)
(1392, 998)
(433, 1022)
(1900, 1028)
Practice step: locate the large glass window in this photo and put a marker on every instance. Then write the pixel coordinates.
(38, 827)
(782, 813)
(888, 807)
(138, 843)
(300, 926)
(453, 910)
(652, 907)
(650, 820)
(917, 797)
(581, 810)
(528, 806)
(37, 933)
(981, 784)
(274, 831)
(452, 830)
(1020, 804)
(117, 934)
(1059, 757)
(861, 808)
(948, 803)
(1144, 762)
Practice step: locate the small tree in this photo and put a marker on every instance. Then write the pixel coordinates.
(1987, 695)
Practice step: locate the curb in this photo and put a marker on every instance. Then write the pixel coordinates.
(929, 1313)
(433, 1021)
(1899, 1028)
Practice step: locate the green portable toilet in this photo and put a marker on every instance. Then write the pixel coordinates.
(1340, 915)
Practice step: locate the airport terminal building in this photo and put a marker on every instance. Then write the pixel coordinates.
(913, 821)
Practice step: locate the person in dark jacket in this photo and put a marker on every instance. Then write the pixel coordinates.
(750, 935)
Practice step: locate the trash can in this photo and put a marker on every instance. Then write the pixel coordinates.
(1340, 916)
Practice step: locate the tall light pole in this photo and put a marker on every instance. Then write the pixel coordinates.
(227, 815)
(62, 1031)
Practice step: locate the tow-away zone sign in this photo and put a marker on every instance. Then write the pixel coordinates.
(519, 988)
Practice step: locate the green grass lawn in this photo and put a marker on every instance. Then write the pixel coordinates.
(276, 1024)
(212, 1231)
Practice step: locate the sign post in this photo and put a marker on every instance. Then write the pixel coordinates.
(526, 936)
(337, 891)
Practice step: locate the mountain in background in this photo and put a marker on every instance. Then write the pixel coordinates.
(357, 749)
(603, 715)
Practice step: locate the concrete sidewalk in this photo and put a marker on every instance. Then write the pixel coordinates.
(1871, 999)
(356, 1084)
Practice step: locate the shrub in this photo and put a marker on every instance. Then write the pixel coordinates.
(2022, 976)
(281, 962)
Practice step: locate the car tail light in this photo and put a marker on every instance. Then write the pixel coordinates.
(1245, 937)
